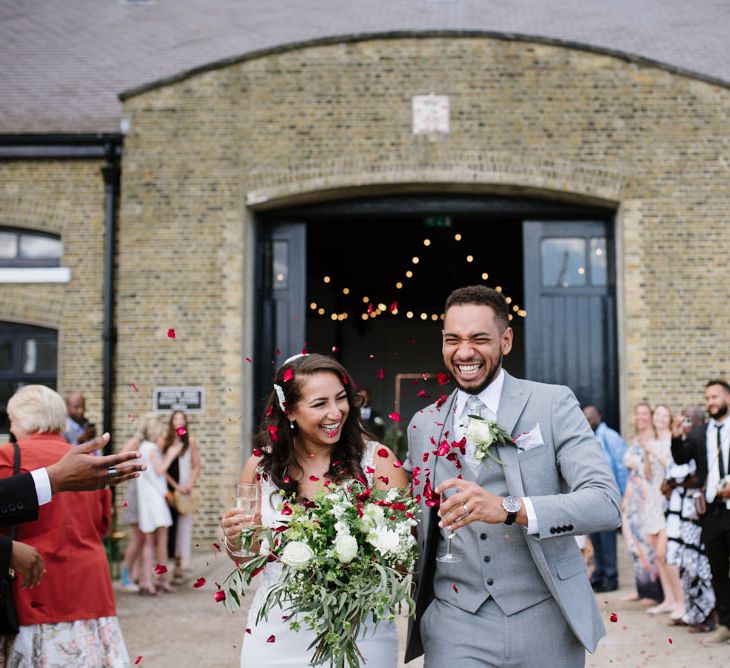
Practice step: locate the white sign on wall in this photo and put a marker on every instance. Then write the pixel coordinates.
(430, 115)
(188, 399)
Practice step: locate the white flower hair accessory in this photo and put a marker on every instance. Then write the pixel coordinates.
(280, 396)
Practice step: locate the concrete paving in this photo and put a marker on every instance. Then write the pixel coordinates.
(188, 628)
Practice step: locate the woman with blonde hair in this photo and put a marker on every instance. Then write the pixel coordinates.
(75, 624)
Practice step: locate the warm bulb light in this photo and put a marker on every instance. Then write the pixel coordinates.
(365, 300)
(415, 260)
(424, 316)
(313, 306)
(409, 274)
(470, 258)
(399, 285)
(485, 276)
(345, 291)
(326, 279)
(426, 242)
(409, 314)
(457, 237)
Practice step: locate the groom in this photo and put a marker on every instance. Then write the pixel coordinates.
(520, 595)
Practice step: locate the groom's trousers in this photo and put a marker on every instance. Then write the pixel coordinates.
(536, 637)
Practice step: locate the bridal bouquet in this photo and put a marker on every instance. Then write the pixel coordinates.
(346, 555)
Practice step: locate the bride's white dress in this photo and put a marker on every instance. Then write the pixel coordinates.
(272, 643)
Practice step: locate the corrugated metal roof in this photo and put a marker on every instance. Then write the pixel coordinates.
(63, 64)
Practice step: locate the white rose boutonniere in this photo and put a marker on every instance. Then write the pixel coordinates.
(484, 434)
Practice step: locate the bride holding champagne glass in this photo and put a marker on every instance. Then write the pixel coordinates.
(311, 436)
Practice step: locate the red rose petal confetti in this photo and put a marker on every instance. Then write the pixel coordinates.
(335, 349)
(288, 375)
(256, 452)
(369, 469)
(286, 480)
(247, 630)
(171, 333)
(613, 617)
(441, 400)
(181, 431)
(248, 359)
(314, 478)
(344, 379)
(393, 307)
(397, 464)
(219, 596)
(455, 588)
(216, 546)
(384, 478)
(443, 378)
(382, 452)
(370, 309)
(160, 569)
(198, 583)
(394, 416)
(137, 660)
(381, 374)
(273, 435)
(271, 638)
(134, 387)
(125, 504)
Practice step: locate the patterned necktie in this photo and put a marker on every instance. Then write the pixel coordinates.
(474, 406)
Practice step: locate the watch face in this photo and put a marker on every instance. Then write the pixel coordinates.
(511, 504)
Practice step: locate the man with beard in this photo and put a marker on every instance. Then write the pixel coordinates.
(519, 593)
(708, 445)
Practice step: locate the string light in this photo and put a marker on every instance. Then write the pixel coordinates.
(326, 279)
(313, 306)
(470, 258)
(320, 311)
(345, 291)
(485, 276)
(365, 300)
(424, 316)
(409, 274)
(426, 242)
(508, 300)
(415, 259)
(398, 285)
(409, 314)
(457, 237)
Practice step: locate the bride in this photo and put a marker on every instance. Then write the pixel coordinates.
(311, 433)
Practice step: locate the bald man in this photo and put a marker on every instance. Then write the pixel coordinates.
(78, 428)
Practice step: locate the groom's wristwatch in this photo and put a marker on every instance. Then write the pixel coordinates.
(512, 505)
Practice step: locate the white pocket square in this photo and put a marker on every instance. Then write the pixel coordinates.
(529, 439)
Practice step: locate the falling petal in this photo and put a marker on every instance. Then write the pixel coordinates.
(344, 379)
(286, 480)
(670, 640)
(125, 504)
(443, 449)
(277, 352)
(455, 588)
(382, 452)
(171, 333)
(288, 375)
(394, 307)
(384, 478)
(134, 387)
(181, 431)
(216, 546)
(394, 416)
(219, 596)
(443, 378)
(380, 374)
(137, 660)
(256, 452)
(249, 360)
(314, 478)
(441, 400)
(369, 469)
(160, 569)
(397, 464)
(286, 509)
(422, 393)
(247, 630)
(198, 583)
(271, 638)
(426, 456)
(370, 308)
(273, 429)
(613, 617)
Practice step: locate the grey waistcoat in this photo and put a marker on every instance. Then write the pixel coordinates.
(495, 562)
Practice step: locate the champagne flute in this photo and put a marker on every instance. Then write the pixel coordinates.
(247, 500)
(449, 557)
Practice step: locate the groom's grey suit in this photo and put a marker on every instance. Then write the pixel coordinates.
(572, 491)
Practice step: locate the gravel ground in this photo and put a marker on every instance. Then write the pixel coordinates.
(188, 628)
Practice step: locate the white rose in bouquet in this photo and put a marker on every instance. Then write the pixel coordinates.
(297, 555)
(372, 517)
(345, 548)
(479, 431)
(384, 540)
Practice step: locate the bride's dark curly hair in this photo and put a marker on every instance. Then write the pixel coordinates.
(275, 438)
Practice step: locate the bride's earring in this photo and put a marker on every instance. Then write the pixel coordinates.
(293, 427)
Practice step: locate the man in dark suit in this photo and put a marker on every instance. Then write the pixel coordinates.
(709, 446)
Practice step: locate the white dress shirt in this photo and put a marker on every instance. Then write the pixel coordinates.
(489, 397)
(713, 464)
(42, 485)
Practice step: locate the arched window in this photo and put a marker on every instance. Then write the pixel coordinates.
(26, 248)
(28, 355)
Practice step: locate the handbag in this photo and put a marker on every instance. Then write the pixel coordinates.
(185, 504)
(9, 624)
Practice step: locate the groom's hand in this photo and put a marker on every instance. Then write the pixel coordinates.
(471, 503)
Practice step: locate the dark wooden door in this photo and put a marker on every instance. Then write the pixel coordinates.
(570, 328)
(281, 290)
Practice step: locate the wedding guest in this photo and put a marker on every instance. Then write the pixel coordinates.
(685, 548)
(709, 446)
(633, 509)
(605, 575)
(658, 457)
(130, 512)
(181, 479)
(153, 513)
(76, 611)
(372, 420)
(78, 428)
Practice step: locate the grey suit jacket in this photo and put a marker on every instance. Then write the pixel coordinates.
(567, 479)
